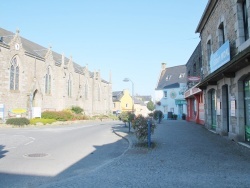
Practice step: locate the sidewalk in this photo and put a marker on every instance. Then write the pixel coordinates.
(185, 155)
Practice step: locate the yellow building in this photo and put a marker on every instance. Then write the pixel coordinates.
(122, 102)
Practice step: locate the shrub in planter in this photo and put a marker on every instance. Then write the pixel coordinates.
(131, 116)
(183, 116)
(124, 117)
(140, 125)
(175, 116)
(158, 115)
(18, 121)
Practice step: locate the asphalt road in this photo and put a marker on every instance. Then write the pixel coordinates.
(30, 157)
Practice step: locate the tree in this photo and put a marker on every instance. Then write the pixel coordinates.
(150, 106)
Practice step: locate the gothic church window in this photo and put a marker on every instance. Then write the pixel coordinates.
(48, 82)
(86, 91)
(14, 75)
(70, 86)
(99, 93)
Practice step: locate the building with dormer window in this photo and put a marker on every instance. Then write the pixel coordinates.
(169, 92)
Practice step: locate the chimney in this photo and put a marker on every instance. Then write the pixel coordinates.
(163, 66)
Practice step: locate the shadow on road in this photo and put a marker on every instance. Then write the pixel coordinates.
(2, 151)
(99, 157)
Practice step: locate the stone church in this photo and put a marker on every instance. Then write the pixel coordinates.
(35, 77)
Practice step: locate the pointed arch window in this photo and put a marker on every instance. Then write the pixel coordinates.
(99, 93)
(48, 82)
(70, 86)
(14, 75)
(86, 91)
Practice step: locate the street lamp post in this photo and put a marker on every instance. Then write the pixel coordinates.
(127, 80)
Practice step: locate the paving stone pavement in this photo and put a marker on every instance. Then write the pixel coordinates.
(185, 155)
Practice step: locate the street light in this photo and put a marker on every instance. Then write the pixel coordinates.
(128, 80)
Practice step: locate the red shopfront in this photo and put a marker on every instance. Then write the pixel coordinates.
(195, 105)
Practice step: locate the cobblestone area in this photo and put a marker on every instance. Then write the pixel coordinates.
(185, 155)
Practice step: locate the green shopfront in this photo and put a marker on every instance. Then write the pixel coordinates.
(247, 107)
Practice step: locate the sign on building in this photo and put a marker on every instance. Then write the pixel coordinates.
(2, 111)
(220, 57)
(36, 112)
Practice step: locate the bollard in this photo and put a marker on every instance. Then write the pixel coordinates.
(129, 127)
(149, 133)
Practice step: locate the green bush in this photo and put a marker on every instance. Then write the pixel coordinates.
(124, 116)
(131, 116)
(140, 125)
(157, 114)
(18, 121)
(80, 117)
(41, 120)
(77, 109)
(58, 115)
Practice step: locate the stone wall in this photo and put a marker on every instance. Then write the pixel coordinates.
(32, 71)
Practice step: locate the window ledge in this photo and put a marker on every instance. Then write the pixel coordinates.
(244, 45)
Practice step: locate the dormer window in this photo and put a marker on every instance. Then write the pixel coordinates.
(182, 75)
(168, 77)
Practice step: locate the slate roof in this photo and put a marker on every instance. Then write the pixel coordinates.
(170, 77)
(39, 51)
(144, 98)
(117, 95)
(138, 101)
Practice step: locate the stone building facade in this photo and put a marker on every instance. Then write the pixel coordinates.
(36, 77)
(193, 95)
(224, 31)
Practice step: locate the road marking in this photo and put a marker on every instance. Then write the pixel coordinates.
(33, 139)
(9, 148)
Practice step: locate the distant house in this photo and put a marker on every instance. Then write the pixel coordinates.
(141, 105)
(144, 98)
(123, 102)
(169, 93)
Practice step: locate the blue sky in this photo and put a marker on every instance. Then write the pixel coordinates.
(129, 38)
